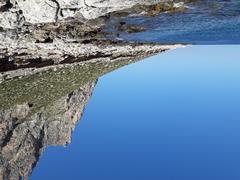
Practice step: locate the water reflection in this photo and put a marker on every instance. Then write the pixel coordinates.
(173, 116)
(42, 110)
(24, 136)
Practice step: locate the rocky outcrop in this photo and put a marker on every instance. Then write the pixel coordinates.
(51, 54)
(36, 35)
(38, 86)
(42, 108)
(39, 34)
(16, 12)
(27, 58)
(24, 136)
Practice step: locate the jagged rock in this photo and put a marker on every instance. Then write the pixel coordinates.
(42, 109)
(24, 57)
(31, 37)
(51, 53)
(44, 11)
(122, 26)
(23, 141)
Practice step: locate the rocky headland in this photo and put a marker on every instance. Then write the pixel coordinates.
(25, 134)
(45, 33)
(51, 54)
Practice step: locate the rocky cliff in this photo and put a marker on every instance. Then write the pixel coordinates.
(39, 34)
(35, 34)
(42, 109)
(25, 135)
(51, 54)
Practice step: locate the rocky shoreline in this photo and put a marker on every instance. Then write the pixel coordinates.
(52, 37)
(25, 135)
(16, 13)
(51, 54)
(42, 108)
(30, 58)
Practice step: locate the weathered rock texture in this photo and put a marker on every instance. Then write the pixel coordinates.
(26, 57)
(51, 82)
(24, 136)
(16, 12)
(45, 33)
(51, 53)
(42, 108)
(48, 69)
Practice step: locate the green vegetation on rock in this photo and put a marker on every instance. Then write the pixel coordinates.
(40, 89)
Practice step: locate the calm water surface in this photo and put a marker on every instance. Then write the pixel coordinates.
(174, 117)
(205, 22)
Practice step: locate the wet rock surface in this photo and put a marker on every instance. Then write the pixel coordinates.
(122, 26)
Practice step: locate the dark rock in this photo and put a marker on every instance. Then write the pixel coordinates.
(122, 26)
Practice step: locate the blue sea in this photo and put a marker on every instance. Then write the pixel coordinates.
(174, 116)
(204, 22)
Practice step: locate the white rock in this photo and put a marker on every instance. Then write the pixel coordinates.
(38, 11)
(45, 11)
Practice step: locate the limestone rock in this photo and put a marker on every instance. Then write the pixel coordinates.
(14, 12)
(38, 11)
(22, 142)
